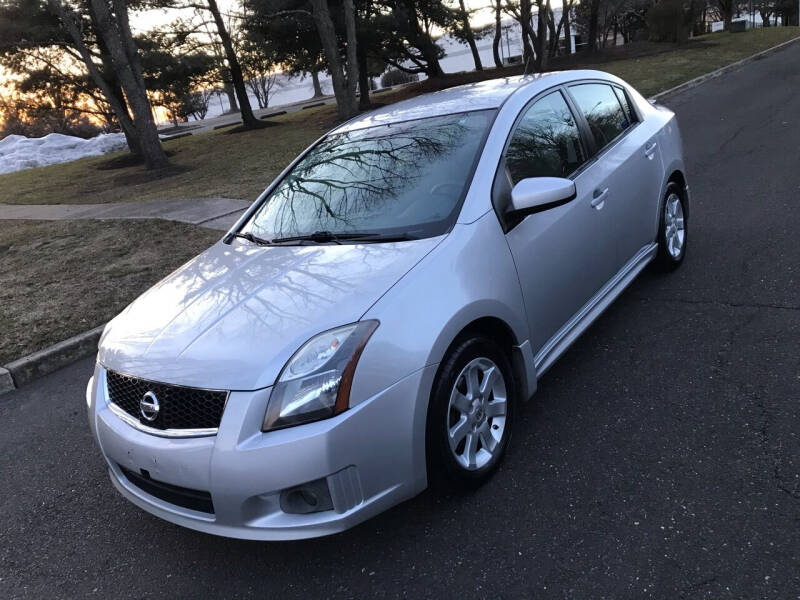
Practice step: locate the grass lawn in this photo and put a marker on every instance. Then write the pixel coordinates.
(213, 164)
(241, 165)
(653, 74)
(60, 278)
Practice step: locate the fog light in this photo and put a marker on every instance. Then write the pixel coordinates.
(308, 498)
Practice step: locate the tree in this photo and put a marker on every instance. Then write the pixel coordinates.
(284, 31)
(110, 25)
(196, 104)
(370, 64)
(594, 13)
(47, 101)
(670, 21)
(765, 8)
(498, 32)
(95, 36)
(600, 20)
(344, 73)
(259, 68)
(540, 41)
(727, 8)
(248, 118)
(337, 46)
(174, 76)
(463, 31)
(405, 27)
(49, 83)
(522, 12)
(555, 29)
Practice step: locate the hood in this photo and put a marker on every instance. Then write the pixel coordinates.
(231, 318)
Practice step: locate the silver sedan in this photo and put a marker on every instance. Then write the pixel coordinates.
(371, 324)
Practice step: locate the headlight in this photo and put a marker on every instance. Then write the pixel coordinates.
(315, 383)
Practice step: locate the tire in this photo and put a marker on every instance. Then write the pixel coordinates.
(458, 407)
(669, 238)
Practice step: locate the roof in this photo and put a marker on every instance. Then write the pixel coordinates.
(473, 96)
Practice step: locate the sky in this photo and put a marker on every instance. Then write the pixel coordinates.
(144, 21)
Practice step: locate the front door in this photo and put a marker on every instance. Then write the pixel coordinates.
(565, 254)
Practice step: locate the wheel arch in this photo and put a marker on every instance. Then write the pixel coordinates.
(500, 331)
(674, 174)
(678, 178)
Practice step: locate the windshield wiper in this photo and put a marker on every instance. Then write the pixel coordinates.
(325, 237)
(252, 238)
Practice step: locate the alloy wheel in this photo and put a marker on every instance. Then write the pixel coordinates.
(674, 225)
(476, 415)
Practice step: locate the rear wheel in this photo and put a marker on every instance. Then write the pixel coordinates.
(672, 230)
(469, 417)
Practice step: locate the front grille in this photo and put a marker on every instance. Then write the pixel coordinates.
(187, 498)
(179, 407)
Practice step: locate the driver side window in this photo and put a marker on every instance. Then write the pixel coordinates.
(546, 141)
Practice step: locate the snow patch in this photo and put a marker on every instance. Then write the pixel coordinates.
(18, 152)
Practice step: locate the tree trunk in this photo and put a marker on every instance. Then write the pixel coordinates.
(421, 40)
(476, 57)
(428, 49)
(553, 32)
(594, 10)
(525, 15)
(541, 36)
(248, 118)
(363, 77)
(107, 79)
(345, 99)
(567, 30)
(351, 66)
(233, 106)
(118, 39)
(315, 81)
(125, 126)
(726, 7)
(498, 33)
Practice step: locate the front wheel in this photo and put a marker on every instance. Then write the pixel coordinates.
(469, 417)
(672, 230)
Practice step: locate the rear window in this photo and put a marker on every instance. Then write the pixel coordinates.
(624, 100)
(600, 105)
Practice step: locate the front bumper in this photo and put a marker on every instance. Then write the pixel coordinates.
(371, 456)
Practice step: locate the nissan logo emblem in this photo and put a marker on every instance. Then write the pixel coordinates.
(148, 407)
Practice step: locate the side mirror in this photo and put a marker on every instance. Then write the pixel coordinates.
(536, 194)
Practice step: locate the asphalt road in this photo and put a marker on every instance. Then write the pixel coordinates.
(659, 459)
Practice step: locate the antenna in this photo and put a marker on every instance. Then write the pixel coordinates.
(527, 62)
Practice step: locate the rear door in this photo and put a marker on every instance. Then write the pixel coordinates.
(626, 163)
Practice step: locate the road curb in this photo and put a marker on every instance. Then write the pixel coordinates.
(6, 381)
(681, 87)
(24, 370)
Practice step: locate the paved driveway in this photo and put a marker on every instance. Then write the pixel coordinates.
(660, 457)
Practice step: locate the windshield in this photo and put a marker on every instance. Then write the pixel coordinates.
(401, 178)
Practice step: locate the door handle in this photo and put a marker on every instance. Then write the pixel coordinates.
(599, 199)
(650, 150)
